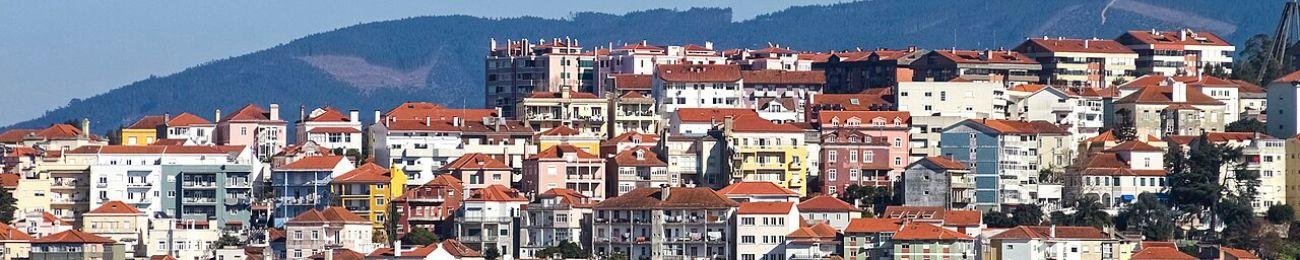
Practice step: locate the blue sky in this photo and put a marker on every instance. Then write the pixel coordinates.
(54, 51)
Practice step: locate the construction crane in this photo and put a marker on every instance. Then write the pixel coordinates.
(1287, 26)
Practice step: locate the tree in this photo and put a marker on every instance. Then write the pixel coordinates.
(565, 249)
(1088, 212)
(1150, 216)
(420, 236)
(1027, 215)
(1253, 59)
(1280, 213)
(1124, 129)
(877, 197)
(618, 255)
(1194, 183)
(998, 220)
(8, 206)
(491, 253)
(228, 240)
(1118, 81)
(1246, 125)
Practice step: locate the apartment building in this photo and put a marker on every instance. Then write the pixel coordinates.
(421, 137)
(261, 130)
(773, 57)
(566, 166)
(863, 146)
(919, 240)
(697, 86)
(633, 108)
(780, 95)
(998, 66)
(75, 244)
(367, 190)
(1117, 175)
(870, 238)
(120, 222)
(478, 171)
(518, 68)
(642, 58)
(182, 239)
(1231, 93)
(758, 191)
(305, 184)
(1171, 109)
(487, 220)
(555, 217)
(828, 210)
(855, 71)
(697, 160)
(939, 182)
(1080, 114)
(190, 127)
(143, 131)
(975, 99)
(760, 150)
(1081, 62)
(1284, 112)
(1058, 242)
(1006, 156)
(315, 231)
(332, 129)
(1265, 156)
(637, 167)
(762, 229)
(582, 111)
(1178, 53)
(669, 223)
(431, 206)
(845, 102)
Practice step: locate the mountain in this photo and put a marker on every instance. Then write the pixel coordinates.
(440, 59)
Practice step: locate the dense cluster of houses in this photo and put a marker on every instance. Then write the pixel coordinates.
(670, 152)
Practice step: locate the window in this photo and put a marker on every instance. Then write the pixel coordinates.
(853, 156)
(830, 174)
(831, 155)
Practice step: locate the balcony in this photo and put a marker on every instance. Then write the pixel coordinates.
(478, 239)
(426, 199)
(199, 200)
(484, 219)
(138, 185)
(199, 184)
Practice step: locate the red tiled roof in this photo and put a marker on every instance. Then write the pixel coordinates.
(148, 122)
(945, 162)
(475, 161)
(929, 213)
(1180, 37)
(559, 151)
(339, 254)
(1134, 146)
(698, 73)
(568, 197)
(1107, 136)
(115, 207)
(985, 56)
(320, 162)
(925, 231)
(783, 77)
(455, 248)
(9, 180)
(187, 119)
(633, 136)
(647, 158)
(497, 192)
(1161, 253)
(248, 112)
(1072, 45)
(1021, 127)
(633, 81)
(756, 124)
(72, 236)
(366, 173)
(823, 203)
(677, 198)
(962, 218)
(562, 130)
(765, 208)
(873, 225)
(156, 149)
(161, 257)
(169, 141)
(16, 135)
(1238, 253)
(1028, 88)
(328, 114)
(417, 111)
(572, 94)
(639, 46)
(334, 130)
(1164, 95)
(755, 188)
(773, 50)
(1292, 77)
(59, 131)
(865, 117)
(9, 233)
(1045, 232)
(820, 232)
(711, 114)
(330, 215)
(1218, 137)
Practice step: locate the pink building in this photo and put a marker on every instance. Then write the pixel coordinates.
(254, 127)
(565, 166)
(479, 171)
(868, 148)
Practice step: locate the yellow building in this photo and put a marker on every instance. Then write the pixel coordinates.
(563, 134)
(142, 132)
(764, 151)
(367, 191)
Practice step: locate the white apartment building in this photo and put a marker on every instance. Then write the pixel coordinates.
(1284, 111)
(486, 220)
(331, 129)
(1265, 155)
(771, 58)
(190, 127)
(697, 86)
(1117, 175)
(556, 217)
(1057, 242)
(314, 231)
(1178, 53)
(761, 229)
(962, 99)
(665, 223)
(182, 239)
(642, 58)
(1081, 62)
(133, 174)
(420, 138)
(1081, 115)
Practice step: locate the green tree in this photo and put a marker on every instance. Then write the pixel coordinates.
(1194, 182)
(998, 219)
(877, 197)
(1124, 129)
(1149, 215)
(420, 236)
(565, 249)
(1280, 213)
(1246, 125)
(1088, 212)
(8, 206)
(1253, 58)
(491, 253)
(1027, 215)
(228, 240)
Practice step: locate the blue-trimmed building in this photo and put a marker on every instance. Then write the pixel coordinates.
(1005, 157)
(302, 185)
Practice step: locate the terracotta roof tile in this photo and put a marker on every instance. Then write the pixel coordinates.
(1134, 146)
(16, 135)
(366, 173)
(1036, 45)
(851, 102)
(755, 188)
(115, 207)
(9, 233)
(945, 162)
(1046, 232)
(1161, 253)
(1181, 37)
(249, 112)
(417, 111)
(985, 56)
(475, 161)
(562, 130)
(1164, 95)
(765, 208)
(187, 119)
(677, 198)
(783, 77)
(697, 115)
(455, 248)
(72, 237)
(926, 231)
(148, 122)
(1292, 77)
(321, 162)
(823, 203)
(337, 215)
(498, 193)
(1020, 127)
(864, 117)
(873, 225)
(560, 151)
(327, 114)
(962, 218)
(572, 94)
(638, 156)
(1238, 253)
(633, 82)
(698, 73)
(339, 254)
(9, 180)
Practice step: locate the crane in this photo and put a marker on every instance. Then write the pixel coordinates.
(1287, 26)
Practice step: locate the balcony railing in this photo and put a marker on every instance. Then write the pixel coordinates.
(484, 219)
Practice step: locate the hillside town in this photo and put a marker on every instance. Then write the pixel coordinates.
(1143, 146)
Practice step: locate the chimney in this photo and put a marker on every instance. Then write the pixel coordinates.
(493, 45)
(727, 124)
(275, 112)
(1180, 91)
(564, 92)
(85, 127)
(455, 121)
(428, 121)
(167, 116)
(302, 113)
(1182, 35)
(218, 114)
(397, 248)
(355, 114)
(664, 191)
(708, 45)
(1052, 233)
(1085, 43)
(378, 116)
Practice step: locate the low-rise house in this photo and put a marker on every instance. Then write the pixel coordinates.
(314, 231)
(845, 102)
(193, 128)
(16, 243)
(1057, 242)
(566, 166)
(486, 220)
(331, 129)
(479, 171)
(254, 127)
(367, 190)
(813, 241)
(761, 229)
(41, 223)
(866, 148)
(1116, 176)
(1171, 108)
(143, 131)
(758, 191)
(304, 184)
(120, 222)
(431, 206)
(669, 222)
(870, 238)
(829, 210)
(919, 240)
(969, 222)
(780, 95)
(74, 244)
(582, 111)
(939, 181)
(556, 216)
(637, 167)
(183, 239)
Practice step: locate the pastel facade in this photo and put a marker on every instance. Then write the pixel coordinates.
(1116, 176)
(305, 184)
(566, 166)
(311, 232)
(637, 167)
(781, 95)
(698, 86)
(251, 126)
(998, 66)
(868, 148)
(1172, 108)
(556, 216)
(1182, 52)
(368, 190)
(143, 131)
(518, 68)
(582, 111)
(1081, 62)
(122, 223)
(665, 222)
(195, 129)
(330, 128)
(1006, 156)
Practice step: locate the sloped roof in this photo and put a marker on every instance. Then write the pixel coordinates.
(711, 114)
(1294, 76)
(873, 225)
(73, 236)
(417, 111)
(756, 124)
(631, 136)
(562, 130)
(933, 213)
(1072, 45)
(366, 173)
(1134, 146)
(16, 135)
(560, 151)
(866, 117)
(1180, 37)
(633, 81)
(340, 254)
(10, 180)
(962, 218)
(115, 207)
(1161, 253)
(572, 94)
(455, 248)
(9, 233)
(783, 77)
(331, 215)
(328, 114)
(698, 72)
(824, 203)
(247, 113)
(497, 192)
(475, 161)
(819, 232)
(187, 119)
(677, 198)
(1238, 253)
(319, 162)
(568, 197)
(1046, 232)
(926, 231)
(851, 102)
(945, 162)
(1164, 95)
(148, 122)
(59, 131)
(985, 56)
(765, 208)
(755, 188)
(647, 158)
(1020, 127)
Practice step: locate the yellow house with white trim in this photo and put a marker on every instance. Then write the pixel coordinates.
(368, 190)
